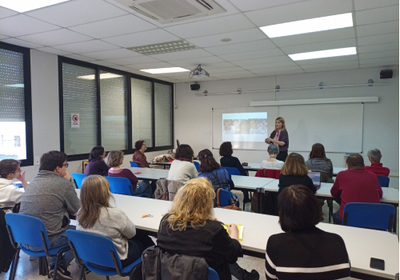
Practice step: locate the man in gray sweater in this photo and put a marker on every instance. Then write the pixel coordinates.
(51, 197)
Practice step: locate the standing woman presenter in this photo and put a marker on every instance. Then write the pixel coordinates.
(280, 137)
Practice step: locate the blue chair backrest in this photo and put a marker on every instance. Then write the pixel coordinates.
(232, 170)
(384, 181)
(93, 248)
(225, 197)
(27, 230)
(78, 178)
(197, 165)
(134, 164)
(212, 274)
(120, 185)
(369, 215)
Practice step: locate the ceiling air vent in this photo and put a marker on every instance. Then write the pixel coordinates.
(165, 11)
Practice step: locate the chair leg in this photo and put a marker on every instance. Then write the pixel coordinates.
(81, 273)
(14, 265)
(108, 278)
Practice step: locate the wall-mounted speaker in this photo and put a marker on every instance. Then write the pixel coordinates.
(194, 87)
(386, 74)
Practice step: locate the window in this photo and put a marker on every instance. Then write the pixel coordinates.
(114, 109)
(15, 104)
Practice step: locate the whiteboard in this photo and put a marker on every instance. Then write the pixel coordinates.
(339, 127)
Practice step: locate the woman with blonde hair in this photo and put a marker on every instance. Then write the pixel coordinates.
(114, 160)
(97, 216)
(294, 172)
(280, 137)
(190, 228)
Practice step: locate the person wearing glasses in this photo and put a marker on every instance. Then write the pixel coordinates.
(10, 195)
(51, 197)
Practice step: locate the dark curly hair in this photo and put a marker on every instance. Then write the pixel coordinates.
(207, 161)
(184, 151)
(138, 144)
(225, 149)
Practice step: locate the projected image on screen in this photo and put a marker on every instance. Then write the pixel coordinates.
(244, 127)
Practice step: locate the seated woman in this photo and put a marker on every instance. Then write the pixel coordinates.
(318, 161)
(272, 162)
(189, 228)
(138, 156)
(11, 195)
(97, 216)
(304, 251)
(96, 165)
(226, 151)
(182, 168)
(210, 169)
(114, 160)
(294, 172)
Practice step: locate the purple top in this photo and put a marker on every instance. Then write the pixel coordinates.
(125, 173)
(96, 167)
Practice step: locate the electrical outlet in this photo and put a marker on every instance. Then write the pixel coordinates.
(37, 160)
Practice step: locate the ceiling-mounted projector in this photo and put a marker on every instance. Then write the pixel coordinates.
(199, 73)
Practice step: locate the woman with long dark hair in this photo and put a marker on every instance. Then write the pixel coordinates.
(182, 168)
(318, 161)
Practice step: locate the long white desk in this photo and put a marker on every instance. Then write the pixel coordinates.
(361, 244)
(149, 173)
(254, 166)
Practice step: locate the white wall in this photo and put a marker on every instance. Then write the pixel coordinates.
(193, 117)
(45, 112)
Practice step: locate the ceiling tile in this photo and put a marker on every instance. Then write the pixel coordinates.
(250, 5)
(88, 46)
(316, 37)
(56, 37)
(142, 38)
(219, 65)
(22, 43)
(211, 26)
(4, 12)
(114, 27)
(20, 25)
(377, 15)
(386, 54)
(240, 47)
(379, 39)
(182, 55)
(328, 60)
(380, 61)
(234, 75)
(378, 28)
(261, 61)
(225, 70)
(252, 55)
(270, 65)
(299, 11)
(2, 37)
(53, 51)
(252, 34)
(364, 5)
(133, 60)
(111, 54)
(73, 13)
(193, 62)
(80, 57)
(378, 48)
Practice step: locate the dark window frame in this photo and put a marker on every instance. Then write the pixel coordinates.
(98, 68)
(28, 99)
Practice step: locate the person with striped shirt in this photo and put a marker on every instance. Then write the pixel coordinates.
(304, 251)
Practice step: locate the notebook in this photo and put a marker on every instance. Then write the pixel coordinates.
(316, 178)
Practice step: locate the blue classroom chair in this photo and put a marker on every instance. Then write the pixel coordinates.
(134, 164)
(29, 230)
(99, 255)
(232, 170)
(78, 179)
(369, 215)
(212, 274)
(122, 185)
(197, 165)
(384, 181)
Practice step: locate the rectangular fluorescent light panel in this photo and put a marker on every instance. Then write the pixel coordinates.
(28, 5)
(308, 25)
(323, 54)
(165, 70)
